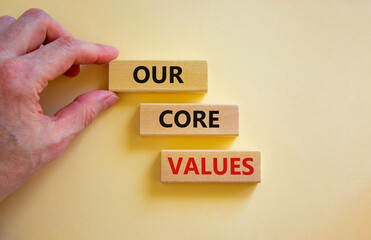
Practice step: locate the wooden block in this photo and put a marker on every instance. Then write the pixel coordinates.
(162, 119)
(210, 166)
(158, 76)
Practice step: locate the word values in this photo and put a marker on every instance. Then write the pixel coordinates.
(158, 76)
(174, 119)
(210, 166)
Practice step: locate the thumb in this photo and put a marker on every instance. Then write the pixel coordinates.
(77, 115)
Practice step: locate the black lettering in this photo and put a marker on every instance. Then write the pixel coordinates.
(199, 119)
(212, 119)
(162, 115)
(177, 75)
(188, 119)
(154, 75)
(135, 74)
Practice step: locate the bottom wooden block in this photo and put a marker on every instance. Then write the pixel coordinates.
(210, 166)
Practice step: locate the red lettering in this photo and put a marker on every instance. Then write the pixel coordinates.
(191, 161)
(246, 165)
(175, 170)
(203, 167)
(217, 172)
(234, 166)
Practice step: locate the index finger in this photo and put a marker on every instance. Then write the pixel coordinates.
(29, 31)
(57, 57)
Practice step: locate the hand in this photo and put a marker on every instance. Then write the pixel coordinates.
(35, 49)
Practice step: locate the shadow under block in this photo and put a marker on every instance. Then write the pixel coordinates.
(210, 166)
(158, 76)
(163, 119)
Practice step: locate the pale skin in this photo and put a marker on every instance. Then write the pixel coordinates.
(35, 49)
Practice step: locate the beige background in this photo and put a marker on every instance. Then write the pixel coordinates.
(300, 71)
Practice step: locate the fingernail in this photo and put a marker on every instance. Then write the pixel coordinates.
(110, 46)
(110, 99)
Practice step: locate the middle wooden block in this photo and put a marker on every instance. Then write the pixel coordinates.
(164, 119)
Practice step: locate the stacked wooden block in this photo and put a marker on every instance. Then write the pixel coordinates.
(163, 119)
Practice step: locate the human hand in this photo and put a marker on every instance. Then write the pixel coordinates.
(35, 49)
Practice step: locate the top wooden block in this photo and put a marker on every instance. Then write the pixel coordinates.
(158, 76)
